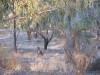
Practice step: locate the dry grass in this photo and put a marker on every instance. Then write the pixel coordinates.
(49, 62)
(7, 60)
(46, 63)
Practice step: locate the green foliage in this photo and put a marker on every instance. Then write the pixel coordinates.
(84, 24)
(62, 17)
(4, 7)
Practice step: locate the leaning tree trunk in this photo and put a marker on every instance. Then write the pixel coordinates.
(79, 59)
(74, 35)
(75, 57)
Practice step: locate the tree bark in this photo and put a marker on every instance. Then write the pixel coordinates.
(46, 42)
(76, 45)
(14, 21)
(36, 35)
(46, 39)
(37, 28)
(29, 35)
(15, 38)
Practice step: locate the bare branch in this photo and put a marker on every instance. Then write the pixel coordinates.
(41, 35)
(48, 10)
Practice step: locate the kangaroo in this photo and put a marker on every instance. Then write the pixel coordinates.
(39, 52)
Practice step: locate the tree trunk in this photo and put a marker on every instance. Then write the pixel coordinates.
(46, 39)
(98, 32)
(46, 42)
(29, 35)
(76, 45)
(15, 38)
(36, 35)
(74, 38)
(37, 28)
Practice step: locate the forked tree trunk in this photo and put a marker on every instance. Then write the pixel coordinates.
(46, 39)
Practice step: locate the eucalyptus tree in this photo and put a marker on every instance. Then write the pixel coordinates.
(76, 21)
(52, 23)
(96, 6)
(75, 13)
(74, 16)
(46, 30)
(22, 9)
(8, 6)
(34, 9)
